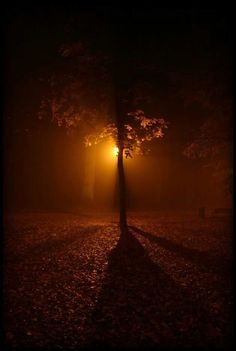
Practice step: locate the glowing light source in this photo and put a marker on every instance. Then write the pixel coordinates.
(115, 151)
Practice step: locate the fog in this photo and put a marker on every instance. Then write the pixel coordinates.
(48, 171)
(117, 177)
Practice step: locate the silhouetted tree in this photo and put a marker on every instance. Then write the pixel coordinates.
(91, 96)
(213, 142)
(206, 82)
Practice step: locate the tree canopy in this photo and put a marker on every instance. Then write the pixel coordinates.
(83, 95)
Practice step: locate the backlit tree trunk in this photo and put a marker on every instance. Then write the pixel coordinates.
(121, 173)
(118, 82)
(122, 188)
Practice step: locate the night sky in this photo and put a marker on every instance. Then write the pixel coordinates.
(42, 166)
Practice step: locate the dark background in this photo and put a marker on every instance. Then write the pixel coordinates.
(43, 167)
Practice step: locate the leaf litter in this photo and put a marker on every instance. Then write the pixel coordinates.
(70, 282)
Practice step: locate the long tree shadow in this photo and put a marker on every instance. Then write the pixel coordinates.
(141, 306)
(206, 261)
(53, 244)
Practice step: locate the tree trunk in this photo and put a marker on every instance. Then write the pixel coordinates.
(122, 189)
(120, 144)
(118, 81)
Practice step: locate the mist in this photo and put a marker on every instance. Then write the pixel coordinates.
(117, 177)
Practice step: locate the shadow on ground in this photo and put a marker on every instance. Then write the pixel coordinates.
(206, 261)
(141, 306)
(53, 244)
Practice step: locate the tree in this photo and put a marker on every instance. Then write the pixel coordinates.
(207, 84)
(214, 146)
(89, 97)
(213, 141)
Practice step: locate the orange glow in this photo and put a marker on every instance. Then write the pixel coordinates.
(115, 151)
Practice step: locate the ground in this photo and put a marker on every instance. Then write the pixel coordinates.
(69, 282)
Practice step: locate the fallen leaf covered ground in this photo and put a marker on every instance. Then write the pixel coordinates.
(70, 282)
